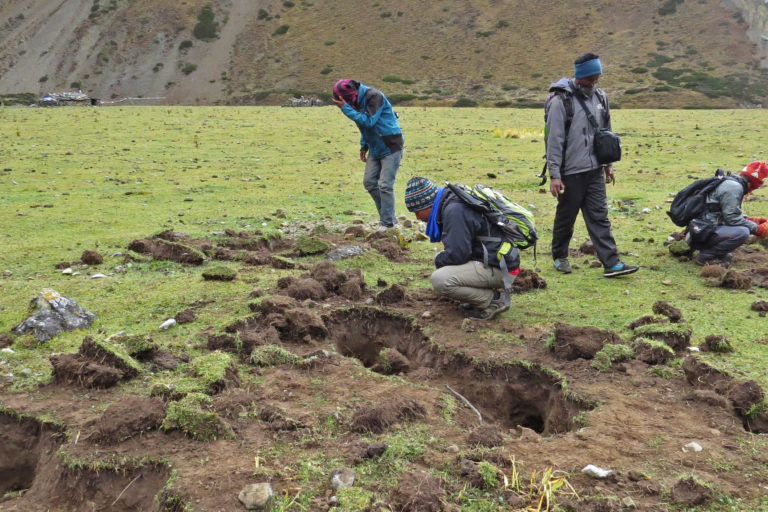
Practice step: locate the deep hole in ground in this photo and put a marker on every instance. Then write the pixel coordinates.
(509, 394)
(32, 463)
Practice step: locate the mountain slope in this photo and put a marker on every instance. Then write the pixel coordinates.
(662, 53)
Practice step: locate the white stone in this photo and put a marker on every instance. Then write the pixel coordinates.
(98, 276)
(8, 350)
(342, 478)
(596, 472)
(66, 271)
(693, 446)
(694, 349)
(168, 324)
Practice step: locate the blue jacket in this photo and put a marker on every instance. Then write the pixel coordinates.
(460, 226)
(379, 131)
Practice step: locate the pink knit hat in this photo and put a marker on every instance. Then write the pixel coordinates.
(346, 89)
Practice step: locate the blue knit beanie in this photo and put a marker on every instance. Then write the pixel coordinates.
(419, 194)
(589, 68)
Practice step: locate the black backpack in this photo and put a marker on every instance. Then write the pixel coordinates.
(691, 202)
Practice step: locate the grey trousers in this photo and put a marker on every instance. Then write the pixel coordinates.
(471, 282)
(724, 240)
(584, 191)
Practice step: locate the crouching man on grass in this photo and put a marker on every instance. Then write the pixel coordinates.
(468, 270)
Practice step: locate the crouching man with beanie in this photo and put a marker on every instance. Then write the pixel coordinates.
(461, 273)
(724, 210)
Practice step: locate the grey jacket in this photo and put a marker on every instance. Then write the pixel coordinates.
(579, 141)
(728, 196)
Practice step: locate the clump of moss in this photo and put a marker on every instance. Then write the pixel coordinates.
(677, 336)
(610, 354)
(309, 245)
(352, 499)
(110, 354)
(135, 345)
(273, 355)
(215, 371)
(174, 388)
(219, 273)
(190, 415)
(717, 343)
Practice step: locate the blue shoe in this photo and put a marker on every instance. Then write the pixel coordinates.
(562, 265)
(620, 269)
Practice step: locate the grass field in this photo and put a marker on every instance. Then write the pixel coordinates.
(76, 179)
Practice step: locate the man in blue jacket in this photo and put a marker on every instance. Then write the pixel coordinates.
(468, 270)
(381, 142)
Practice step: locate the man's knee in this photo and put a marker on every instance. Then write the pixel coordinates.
(439, 279)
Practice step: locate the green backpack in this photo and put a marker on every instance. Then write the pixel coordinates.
(515, 222)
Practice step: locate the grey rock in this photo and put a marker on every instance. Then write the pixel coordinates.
(347, 251)
(54, 314)
(256, 496)
(342, 478)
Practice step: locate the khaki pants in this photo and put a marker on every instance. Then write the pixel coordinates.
(471, 282)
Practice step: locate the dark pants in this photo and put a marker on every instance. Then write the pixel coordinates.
(585, 192)
(724, 240)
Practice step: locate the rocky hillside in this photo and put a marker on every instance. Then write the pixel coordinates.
(657, 53)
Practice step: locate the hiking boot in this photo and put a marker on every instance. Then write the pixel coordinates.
(562, 265)
(619, 269)
(725, 262)
(498, 305)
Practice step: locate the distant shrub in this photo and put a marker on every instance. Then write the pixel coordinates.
(635, 91)
(43, 79)
(326, 70)
(464, 103)
(662, 88)
(502, 24)
(669, 7)
(206, 27)
(188, 68)
(658, 60)
(406, 81)
(400, 98)
(282, 29)
(288, 4)
(488, 76)
(329, 43)
(508, 87)
(74, 85)
(391, 79)
(386, 14)
(185, 44)
(639, 70)
(263, 15)
(503, 104)
(484, 33)
(157, 67)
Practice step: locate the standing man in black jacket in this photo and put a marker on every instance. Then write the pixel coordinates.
(466, 271)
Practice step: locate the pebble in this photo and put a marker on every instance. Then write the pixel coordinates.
(693, 446)
(168, 324)
(66, 271)
(596, 472)
(98, 276)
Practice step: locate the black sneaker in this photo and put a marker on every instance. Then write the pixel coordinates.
(620, 269)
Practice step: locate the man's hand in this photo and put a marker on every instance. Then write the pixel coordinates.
(339, 102)
(556, 187)
(363, 155)
(758, 220)
(609, 176)
(762, 230)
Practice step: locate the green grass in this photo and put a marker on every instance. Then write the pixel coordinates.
(99, 178)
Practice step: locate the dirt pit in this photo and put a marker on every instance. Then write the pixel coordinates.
(509, 395)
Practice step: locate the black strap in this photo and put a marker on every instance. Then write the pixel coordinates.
(590, 116)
